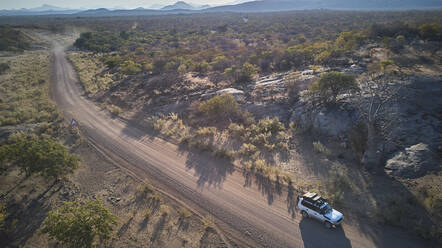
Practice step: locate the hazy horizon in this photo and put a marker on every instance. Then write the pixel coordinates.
(18, 4)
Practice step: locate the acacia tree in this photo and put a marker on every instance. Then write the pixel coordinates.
(332, 84)
(38, 155)
(374, 100)
(80, 224)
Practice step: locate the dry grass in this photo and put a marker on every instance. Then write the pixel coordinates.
(92, 71)
(320, 148)
(184, 213)
(208, 221)
(24, 90)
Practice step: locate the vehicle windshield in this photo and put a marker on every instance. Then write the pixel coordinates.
(326, 209)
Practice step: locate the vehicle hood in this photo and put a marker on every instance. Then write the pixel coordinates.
(333, 215)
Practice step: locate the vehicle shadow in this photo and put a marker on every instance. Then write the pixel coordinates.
(315, 235)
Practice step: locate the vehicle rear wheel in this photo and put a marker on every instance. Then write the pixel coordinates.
(328, 224)
(304, 214)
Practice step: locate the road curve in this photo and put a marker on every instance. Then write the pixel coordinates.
(255, 209)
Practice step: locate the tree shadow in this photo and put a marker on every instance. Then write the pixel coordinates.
(158, 229)
(143, 224)
(314, 235)
(13, 188)
(399, 216)
(268, 187)
(183, 224)
(211, 172)
(26, 217)
(123, 229)
(291, 202)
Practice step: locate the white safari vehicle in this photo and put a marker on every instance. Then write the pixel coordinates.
(313, 205)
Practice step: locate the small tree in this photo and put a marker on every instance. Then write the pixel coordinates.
(42, 155)
(248, 71)
(243, 74)
(113, 61)
(223, 106)
(129, 67)
(333, 84)
(430, 31)
(80, 224)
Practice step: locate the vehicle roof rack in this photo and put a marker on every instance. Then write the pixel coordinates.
(314, 198)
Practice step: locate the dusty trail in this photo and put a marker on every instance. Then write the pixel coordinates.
(254, 214)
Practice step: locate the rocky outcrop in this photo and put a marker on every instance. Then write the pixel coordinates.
(332, 121)
(419, 114)
(237, 94)
(414, 161)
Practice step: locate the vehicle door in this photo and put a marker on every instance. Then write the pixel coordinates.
(315, 212)
(309, 208)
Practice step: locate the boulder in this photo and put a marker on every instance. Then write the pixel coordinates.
(237, 94)
(332, 121)
(415, 161)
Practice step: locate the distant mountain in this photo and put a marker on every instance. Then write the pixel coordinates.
(132, 12)
(184, 5)
(45, 9)
(285, 5)
(178, 5)
(266, 5)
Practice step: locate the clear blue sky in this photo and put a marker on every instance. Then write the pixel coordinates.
(16, 4)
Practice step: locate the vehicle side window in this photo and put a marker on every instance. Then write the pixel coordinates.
(306, 204)
(309, 205)
(316, 209)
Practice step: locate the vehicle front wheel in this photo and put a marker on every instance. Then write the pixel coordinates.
(304, 214)
(328, 224)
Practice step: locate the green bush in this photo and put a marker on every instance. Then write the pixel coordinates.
(41, 155)
(100, 41)
(430, 31)
(80, 224)
(348, 41)
(3, 68)
(220, 107)
(242, 74)
(113, 61)
(13, 40)
(330, 85)
(130, 68)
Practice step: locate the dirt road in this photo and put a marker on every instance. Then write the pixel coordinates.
(251, 210)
